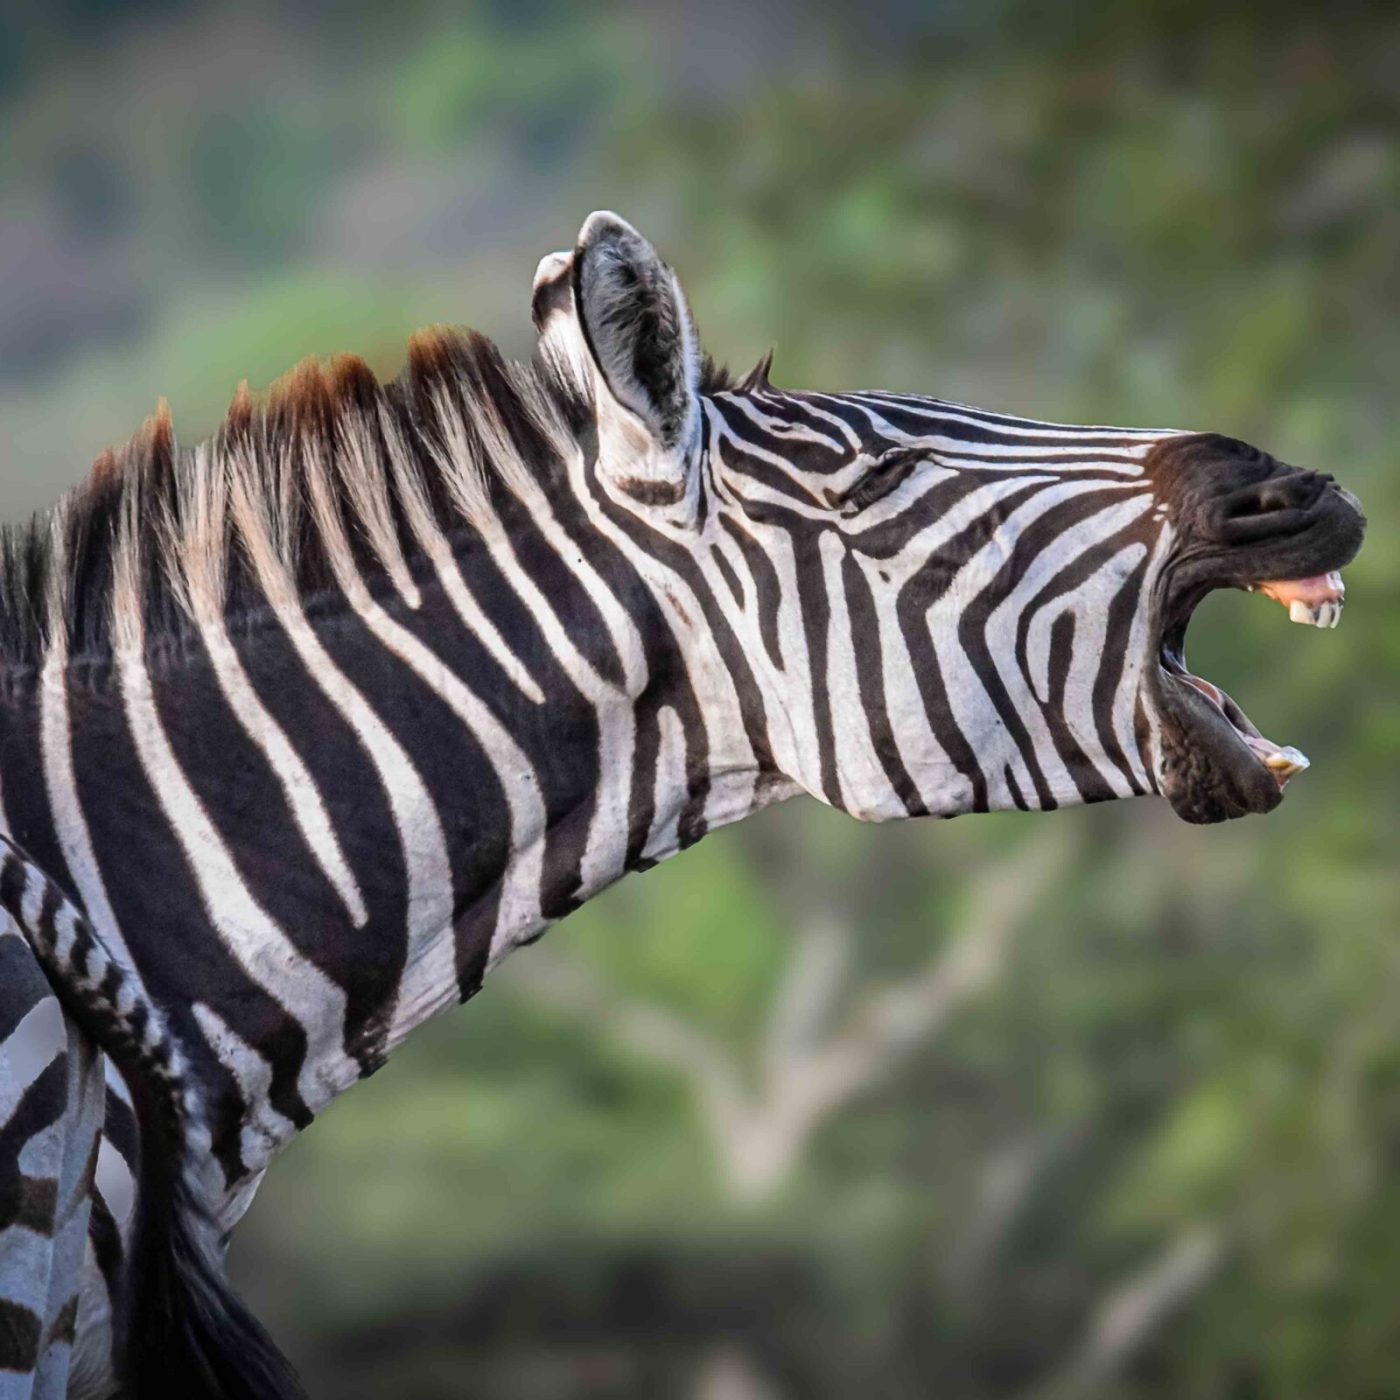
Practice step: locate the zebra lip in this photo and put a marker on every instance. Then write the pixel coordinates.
(1282, 760)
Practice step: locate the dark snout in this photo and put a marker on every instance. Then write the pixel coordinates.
(1242, 519)
(1248, 516)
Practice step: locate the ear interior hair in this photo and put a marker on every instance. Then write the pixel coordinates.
(639, 330)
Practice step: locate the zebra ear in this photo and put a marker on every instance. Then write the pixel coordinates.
(553, 289)
(638, 331)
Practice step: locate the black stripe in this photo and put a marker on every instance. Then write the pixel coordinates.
(33, 1203)
(769, 593)
(930, 420)
(25, 1199)
(1122, 613)
(64, 1325)
(21, 1332)
(159, 909)
(120, 1129)
(728, 574)
(870, 672)
(22, 985)
(815, 609)
(1014, 788)
(109, 1254)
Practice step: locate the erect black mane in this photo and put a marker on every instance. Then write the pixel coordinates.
(719, 379)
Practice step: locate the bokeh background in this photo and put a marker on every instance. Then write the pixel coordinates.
(1095, 1105)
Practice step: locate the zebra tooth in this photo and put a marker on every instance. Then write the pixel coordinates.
(1326, 614)
(1315, 602)
(1286, 762)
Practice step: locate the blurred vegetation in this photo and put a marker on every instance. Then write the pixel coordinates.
(1092, 1105)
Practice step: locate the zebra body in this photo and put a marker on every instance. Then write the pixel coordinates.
(305, 728)
(53, 1095)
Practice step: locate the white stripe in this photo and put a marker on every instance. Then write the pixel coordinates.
(1125, 701)
(1026, 452)
(298, 786)
(1003, 621)
(477, 622)
(669, 789)
(263, 1130)
(439, 551)
(943, 789)
(992, 419)
(973, 709)
(250, 934)
(421, 838)
(31, 900)
(606, 848)
(1087, 605)
(781, 428)
(430, 980)
(30, 1049)
(115, 1083)
(116, 1183)
(866, 791)
(787, 697)
(70, 826)
(848, 434)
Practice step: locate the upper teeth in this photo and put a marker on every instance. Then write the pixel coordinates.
(1327, 614)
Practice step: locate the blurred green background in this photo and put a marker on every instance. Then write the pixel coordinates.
(1096, 1105)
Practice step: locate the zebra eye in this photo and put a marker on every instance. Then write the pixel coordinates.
(889, 472)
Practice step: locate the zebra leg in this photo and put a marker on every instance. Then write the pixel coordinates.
(51, 1103)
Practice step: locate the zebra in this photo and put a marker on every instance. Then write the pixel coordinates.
(307, 726)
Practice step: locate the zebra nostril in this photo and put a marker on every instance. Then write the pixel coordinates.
(1273, 497)
(1296, 491)
(1278, 505)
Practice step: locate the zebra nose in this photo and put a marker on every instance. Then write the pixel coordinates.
(1277, 505)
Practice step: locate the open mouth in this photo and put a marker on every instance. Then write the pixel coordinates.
(1247, 521)
(1315, 602)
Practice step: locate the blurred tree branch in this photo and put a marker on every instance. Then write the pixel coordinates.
(1130, 1314)
(1006, 1182)
(728, 1373)
(761, 1123)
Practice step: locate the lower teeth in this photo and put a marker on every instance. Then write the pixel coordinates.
(1283, 762)
(1286, 762)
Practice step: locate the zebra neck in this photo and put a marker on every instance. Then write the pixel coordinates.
(309, 830)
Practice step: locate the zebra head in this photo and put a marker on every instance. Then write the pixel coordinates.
(943, 609)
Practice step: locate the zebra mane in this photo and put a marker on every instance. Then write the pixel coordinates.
(330, 462)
